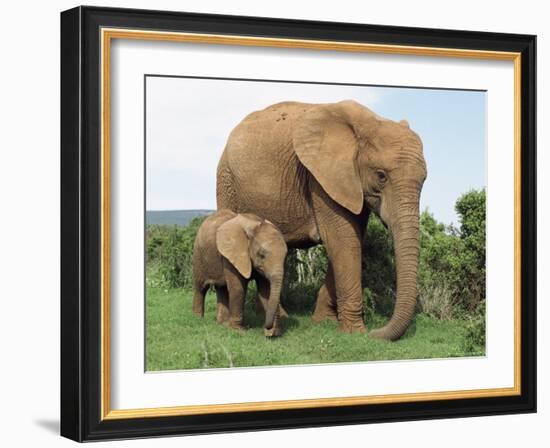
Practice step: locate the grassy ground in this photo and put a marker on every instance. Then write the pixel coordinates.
(176, 339)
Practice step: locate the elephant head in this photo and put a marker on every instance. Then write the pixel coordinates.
(249, 242)
(363, 160)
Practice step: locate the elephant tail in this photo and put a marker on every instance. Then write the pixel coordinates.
(226, 196)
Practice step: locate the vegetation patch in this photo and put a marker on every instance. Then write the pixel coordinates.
(450, 320)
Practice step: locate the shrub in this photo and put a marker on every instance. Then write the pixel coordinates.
(170, 253)
(436, 300)
(306, 266)
(474, 339)
(155, 237)
(452, 261)
(451, 275)
(471, 209)
(305, 271)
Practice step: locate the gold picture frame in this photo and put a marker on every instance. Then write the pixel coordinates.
(120, 25)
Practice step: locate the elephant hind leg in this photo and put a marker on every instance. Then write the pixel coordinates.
(198, 301)
(325, 307)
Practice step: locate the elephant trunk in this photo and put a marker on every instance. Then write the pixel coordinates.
(272, 310)
(407, 250)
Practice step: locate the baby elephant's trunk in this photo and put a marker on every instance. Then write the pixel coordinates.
(273, 303)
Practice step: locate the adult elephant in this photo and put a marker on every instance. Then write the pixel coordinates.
(317, 171)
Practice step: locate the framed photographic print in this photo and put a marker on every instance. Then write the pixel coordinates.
(272, 223)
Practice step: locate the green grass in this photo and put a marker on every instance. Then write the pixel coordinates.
(177, 339)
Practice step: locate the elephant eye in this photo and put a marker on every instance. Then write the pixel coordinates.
(381, 176)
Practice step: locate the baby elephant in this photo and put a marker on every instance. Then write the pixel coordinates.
(230, 249)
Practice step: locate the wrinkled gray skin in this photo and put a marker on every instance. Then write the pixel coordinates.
(230, 249)
(317, 171)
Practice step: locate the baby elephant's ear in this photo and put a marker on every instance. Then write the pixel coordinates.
(232, 241)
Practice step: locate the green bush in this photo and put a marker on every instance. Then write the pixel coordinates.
(305, 271)
(474, 339)
(170, 253)
(471, 209)
(452, 261)
(155, 238)
(306, 266)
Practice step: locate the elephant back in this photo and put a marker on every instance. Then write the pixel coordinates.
(260, 173)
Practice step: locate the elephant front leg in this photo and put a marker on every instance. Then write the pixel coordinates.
(347, 281)
(341, 233)
(325, 307)
(222, 312)
(236, 289)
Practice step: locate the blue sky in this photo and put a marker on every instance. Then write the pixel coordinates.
(189, 120)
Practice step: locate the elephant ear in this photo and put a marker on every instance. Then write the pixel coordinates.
(232, 241)
(325, 144)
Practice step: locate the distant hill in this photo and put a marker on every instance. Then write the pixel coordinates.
(173, 217)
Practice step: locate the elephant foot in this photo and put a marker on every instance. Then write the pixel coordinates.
(238, 328)
(272, 332)
(324, 313)
(325, 307)
(318, 318)
(352, 327)
(222, 316)
(222, 320)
